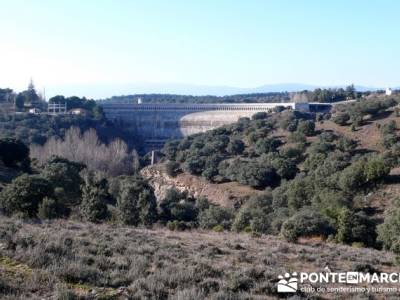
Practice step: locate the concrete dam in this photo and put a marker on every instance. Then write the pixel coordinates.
(156, 123)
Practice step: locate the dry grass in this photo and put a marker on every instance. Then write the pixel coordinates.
(63, 259)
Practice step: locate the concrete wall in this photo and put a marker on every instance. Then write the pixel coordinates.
(158, 122)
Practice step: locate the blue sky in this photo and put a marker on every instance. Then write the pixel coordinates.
(230, 43)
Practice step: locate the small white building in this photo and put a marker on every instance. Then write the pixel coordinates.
(78, 111)
(388, 92)
(34, 111)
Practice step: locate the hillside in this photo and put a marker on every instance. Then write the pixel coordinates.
(227, 194)
(66, 259)
(221, 216)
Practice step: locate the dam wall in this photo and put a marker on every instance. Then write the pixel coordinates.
(156, 123)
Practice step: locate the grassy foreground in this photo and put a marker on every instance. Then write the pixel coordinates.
(70, 260)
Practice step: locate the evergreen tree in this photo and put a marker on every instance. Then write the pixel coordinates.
(94, 197)
(136, 202)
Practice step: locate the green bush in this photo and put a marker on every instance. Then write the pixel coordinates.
(259, 116)
(64, 175)
(194, 165)
(306, 127)
(355, 228)
(341, 119)
(215, 216)
(388, 232)
(94, 197)
(50, 209)
(136, 202)
(178, 206)
(267, 145)
(254, 214)
(24, 194)
(235, 147)
(306, 223)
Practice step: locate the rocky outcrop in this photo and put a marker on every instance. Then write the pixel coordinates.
(229, 194)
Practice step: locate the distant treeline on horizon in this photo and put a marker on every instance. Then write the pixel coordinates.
(318, 95)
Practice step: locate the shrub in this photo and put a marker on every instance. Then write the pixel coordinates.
(178, 206)
(306, 127)
(235, 147)
(24, 194)
(345, 144)
(299, 193)
(284, 168)
(388, 140)
(388, 231)
(94, 197)
(376, 169)
(170, 148)
(194, 165)
(253, 173)
(341, 119)
(259, 116)
(297, 137)
(355, 228)
(136, 202)
(64, 175)
(215, 216)
(306, 223)
(50, 209)
(254, 214)
(266, 145)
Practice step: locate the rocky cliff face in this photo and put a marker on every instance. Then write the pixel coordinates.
(229, 194)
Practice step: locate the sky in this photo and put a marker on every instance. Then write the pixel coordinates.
(69, 44)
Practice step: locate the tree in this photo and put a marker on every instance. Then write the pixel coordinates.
(214, 216)
(64, 175)
(94, 197)
(235, 147)
(355, 227)
(306, 223)
(306, 127)
(350, 91)
(254, 214)
(24, 194)
(266, 145)
(20, 101)
(254, 174)
(341, 119)
(136, 202)
(259, 116)
(178, 206)
(376, 169)
(388, 232)
(345, 144)
(194, 165)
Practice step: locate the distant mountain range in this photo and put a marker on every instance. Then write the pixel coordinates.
(101, 91)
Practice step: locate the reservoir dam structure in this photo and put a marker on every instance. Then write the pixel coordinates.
(156, 123)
